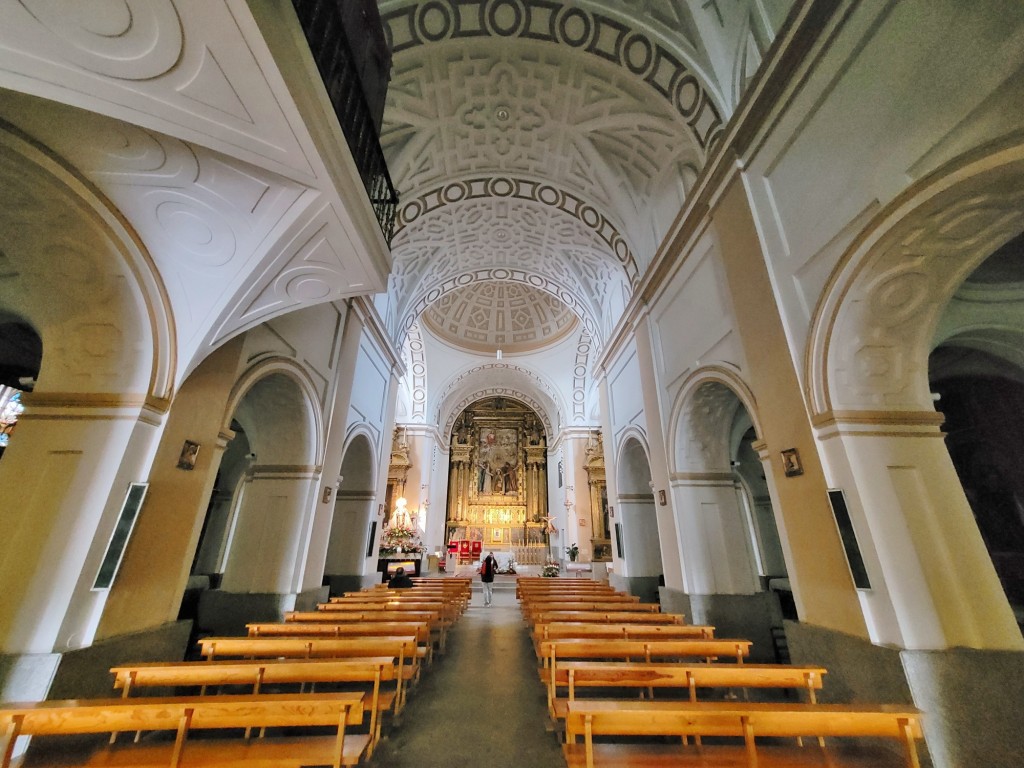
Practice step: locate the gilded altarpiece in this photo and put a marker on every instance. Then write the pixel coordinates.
(498, 480)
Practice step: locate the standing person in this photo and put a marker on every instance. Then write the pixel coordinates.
(488, 568)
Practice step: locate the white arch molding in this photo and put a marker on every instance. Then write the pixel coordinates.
(688, 401)
(269, 366)
(872, 332)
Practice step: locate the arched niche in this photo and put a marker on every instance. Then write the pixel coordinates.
(353, 533)
(276, 407)
(636, 538)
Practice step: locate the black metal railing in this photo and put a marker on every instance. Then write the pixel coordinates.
(321, 22)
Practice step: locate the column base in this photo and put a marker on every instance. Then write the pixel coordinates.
(644, 587)
(751, 617)
(972, 700)
(341, 583)
(969, 697)
(227, 613)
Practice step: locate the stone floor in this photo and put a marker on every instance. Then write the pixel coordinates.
(481, 704)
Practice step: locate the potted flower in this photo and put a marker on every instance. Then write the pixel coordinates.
(573, 552)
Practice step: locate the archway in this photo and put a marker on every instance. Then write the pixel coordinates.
(636, 542)
(497, 483)
(976, 374)
(353, 525)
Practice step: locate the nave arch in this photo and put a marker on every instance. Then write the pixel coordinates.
(729, 537)
(640, 546)
(353, 512)
(933, 582)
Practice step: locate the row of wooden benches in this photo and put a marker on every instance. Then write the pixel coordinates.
(377, 659)
(600, 649)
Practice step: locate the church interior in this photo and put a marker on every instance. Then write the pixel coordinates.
(719, 302)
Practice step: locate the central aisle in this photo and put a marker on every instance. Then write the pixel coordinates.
(481, 704)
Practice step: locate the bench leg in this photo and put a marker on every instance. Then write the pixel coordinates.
(748, 740)
(910, 743)
(10, 737)
(179, 739)
(339, 745)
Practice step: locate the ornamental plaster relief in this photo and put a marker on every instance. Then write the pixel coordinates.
(497, 187)
(416, 377)
(466, 109)
(197, 75)
(98, 337)
(888, 306)
(651, 47)
(206, 219)
(703, 430)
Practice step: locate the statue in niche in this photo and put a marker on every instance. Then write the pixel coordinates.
(483, 485)
(510, 479)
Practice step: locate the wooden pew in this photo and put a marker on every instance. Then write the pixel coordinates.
(607, 617)
(587, 719)
(438, 628)
(571, 675)
(202, 674)
(589, 606)
(421, 630)
(402, 648)
(185, 714)
(553, 651)
(565, 630)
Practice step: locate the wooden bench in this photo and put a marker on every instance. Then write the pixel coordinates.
(607, 617)
(588, 606)
(374, 671)
(185, 714)
(438, 628)
(569, 629)
(420, 630)
(571, 675)
(402, 648)
(643, 650)
(588, 719)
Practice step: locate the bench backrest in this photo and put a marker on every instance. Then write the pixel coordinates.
(574, 648)
(335, 617)
(403, 647)
(421, 630)
(180, 714)
(563, 630)
(670, 718)
(607, 617)
(256, 673)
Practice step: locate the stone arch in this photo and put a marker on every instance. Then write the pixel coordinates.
(353, 510)
(636, 508)
(499, 379)
(713, 388)
(306, 432)
(872, 331)
(645, 55)
(113, 329)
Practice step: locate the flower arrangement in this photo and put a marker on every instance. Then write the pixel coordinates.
(573, 552)
(551, 570)
(400, 539)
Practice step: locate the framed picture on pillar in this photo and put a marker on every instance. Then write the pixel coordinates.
(791, 462)
(854, 558)
(119, 538)
(188, 456)
(373, 536)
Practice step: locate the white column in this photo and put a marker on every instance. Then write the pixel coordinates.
(921, 544)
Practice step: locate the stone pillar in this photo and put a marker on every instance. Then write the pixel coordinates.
(921, 545)
(62, 482)
(713, 534)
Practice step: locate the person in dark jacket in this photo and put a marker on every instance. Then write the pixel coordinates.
(488, 568)
(399, 580)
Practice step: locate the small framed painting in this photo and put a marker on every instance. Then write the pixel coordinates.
(791, 462)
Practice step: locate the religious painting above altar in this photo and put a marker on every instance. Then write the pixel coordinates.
(498, 478)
